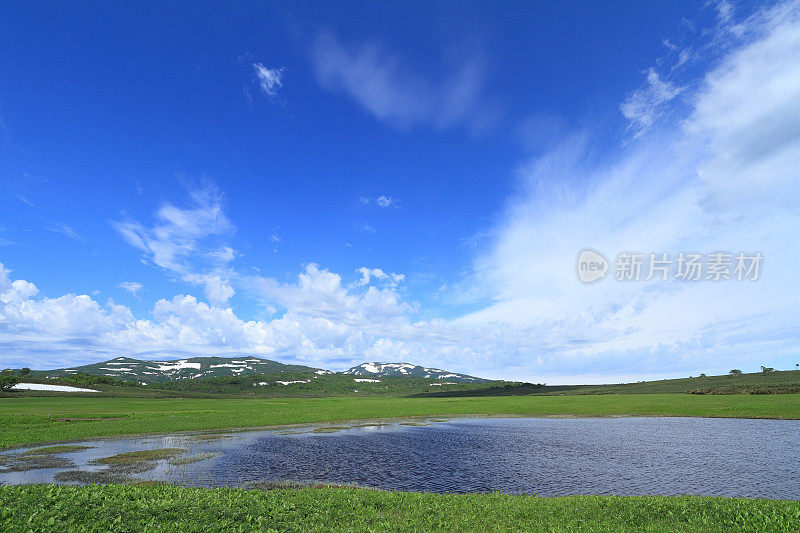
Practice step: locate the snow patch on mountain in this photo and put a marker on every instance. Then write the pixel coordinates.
(409, 370)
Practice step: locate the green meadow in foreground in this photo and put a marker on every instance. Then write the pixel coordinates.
(30, 420)
(171, 508)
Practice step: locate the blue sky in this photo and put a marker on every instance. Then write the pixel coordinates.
(331, 184)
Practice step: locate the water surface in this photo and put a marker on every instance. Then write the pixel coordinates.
(624, 456)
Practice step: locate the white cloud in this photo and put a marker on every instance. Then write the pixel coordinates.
(218, 290)
(323, 321)
(644, 105)
(381, 201)
(364, 227)
(396, 92)
(132, 287)
(178, 233)
(724, 11)
(67, 231)
(724, 179)
(225, 254)
(25, 201)
(269, 79)
(187, 242)
(386, 201)
(368, 274)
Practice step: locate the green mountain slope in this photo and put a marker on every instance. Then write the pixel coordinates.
(151, 372)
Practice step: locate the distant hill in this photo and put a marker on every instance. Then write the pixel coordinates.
(193, 368)
(409, 370)
(150, 372)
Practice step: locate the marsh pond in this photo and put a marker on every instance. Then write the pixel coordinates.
(543, 456)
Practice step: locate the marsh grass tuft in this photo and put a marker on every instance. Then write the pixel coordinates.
(140, 456)
(195, 458)
(53, 450)
(330, 429)
(136, 462)
(24, 463)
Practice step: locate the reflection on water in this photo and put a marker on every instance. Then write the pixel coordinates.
(625, 456)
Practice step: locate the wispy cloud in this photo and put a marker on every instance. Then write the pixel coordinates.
(269, 79)
(365, 227)
(132, 287)
(644, 105)
(381, 201)
(25, 201)
(394, 91)
(179, 234)
(66, 230)
(721, 176)
(275, 236)
(188, 242)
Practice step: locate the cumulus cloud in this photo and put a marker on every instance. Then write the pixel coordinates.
(323, 321)
(218, 290)
(395, 92)
(368, 274)
(269, 79)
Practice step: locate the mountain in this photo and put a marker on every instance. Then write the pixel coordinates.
(409, 370)
(149, 372)
(152, 372)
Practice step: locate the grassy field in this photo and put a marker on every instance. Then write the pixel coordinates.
(35, 420)
(169, 508)
(330, 385)
(789, 379)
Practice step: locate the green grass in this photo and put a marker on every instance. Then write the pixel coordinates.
(25, 421)
(140, 456)
(170, 508)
